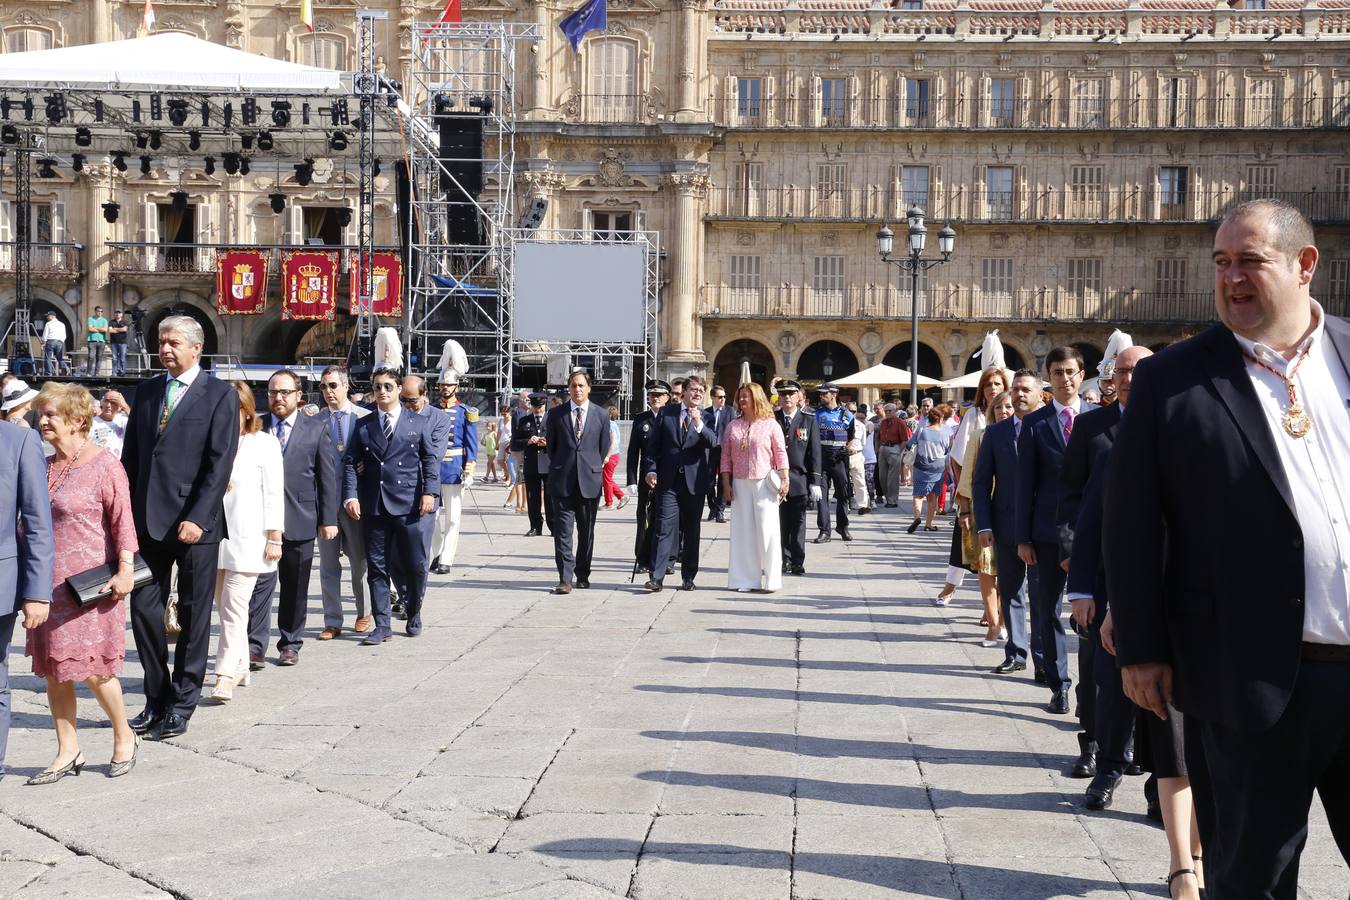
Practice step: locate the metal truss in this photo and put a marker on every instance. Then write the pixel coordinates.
(463, 75)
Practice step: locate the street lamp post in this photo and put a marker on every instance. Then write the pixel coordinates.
(915, 262)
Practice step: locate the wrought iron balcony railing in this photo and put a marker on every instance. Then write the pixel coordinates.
(140, 258)
(47, 260)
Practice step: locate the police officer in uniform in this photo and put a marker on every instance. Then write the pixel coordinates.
(527, 436)
(658, 392)
(836, 426)
(457, 466)
(802, 442)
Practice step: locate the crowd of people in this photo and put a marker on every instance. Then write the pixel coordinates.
(1214, 656)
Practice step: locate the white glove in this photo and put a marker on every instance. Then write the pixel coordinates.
(631, 490)
(467, 481)
(815, 493)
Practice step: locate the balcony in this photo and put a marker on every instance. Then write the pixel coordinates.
(142, 259)
(1049, 114)
(967, 204)
(611, 109)
(46, 259)
(959, 303)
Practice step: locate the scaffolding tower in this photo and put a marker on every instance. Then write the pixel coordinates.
(462, 171)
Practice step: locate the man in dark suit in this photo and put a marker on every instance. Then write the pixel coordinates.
(27, 548)
(1225, 540)
(1040, 452)
(994, 499)
(389, 483)
(339, 418)
(527, 438)
(639, 441)
(802, 440)
(576, 435)
(311, 511)
(718, 416)
(180, 445)
(678, 471)
(1104, 714)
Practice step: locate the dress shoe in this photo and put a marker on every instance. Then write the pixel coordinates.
(892, 505)
(1085, 766)
(1010, 665)
(1102, 791)
(363, 624)
(687, 586)
(288, 658)
(50, 776)
(563, 587)
(1153, 812)
(533, 532)
(864, 510)
(653, 586)
(440, 570)
(583, 584)
(722, 520)
(670, 569)
(172, 726)
(822, 538)
(1060, 704)
(378, 636)
(797, 570)
(414, 626)
(145, 721)
(256, 662)
(844, 533)
(1039, 677)
(913, 527)
(329, 633)
(1134, 770)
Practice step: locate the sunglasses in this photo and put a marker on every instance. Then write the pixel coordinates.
(408, 401)
(331, 385)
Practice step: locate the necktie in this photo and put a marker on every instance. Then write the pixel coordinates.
(339, 429)
(1066, 415)
(577, 426)
(281, 433)
(170, 401)
(1017, 429)
(684, 424)
(388, 426)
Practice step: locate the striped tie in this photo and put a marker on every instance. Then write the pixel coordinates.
(388, 426)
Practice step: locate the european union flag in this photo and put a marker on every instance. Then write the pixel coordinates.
(592, 16)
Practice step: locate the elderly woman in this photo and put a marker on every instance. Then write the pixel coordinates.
(755, 480)
(979, 558)
(92, 525)
(930, 444)
(254, 509)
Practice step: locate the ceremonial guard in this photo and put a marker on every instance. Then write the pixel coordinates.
(638, 445)
(836, 426)
(802, 442)
(457, 466)
(527, 437)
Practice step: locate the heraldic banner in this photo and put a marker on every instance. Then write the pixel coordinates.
(309, 284)
(241, 281)
(386, 283)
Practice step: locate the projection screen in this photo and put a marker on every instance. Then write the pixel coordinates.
(585, 292)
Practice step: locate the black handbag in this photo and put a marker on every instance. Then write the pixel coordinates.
(87, 586)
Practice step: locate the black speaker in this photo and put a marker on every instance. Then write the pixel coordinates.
(462, 144)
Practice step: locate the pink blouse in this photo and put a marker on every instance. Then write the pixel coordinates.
(751, 455)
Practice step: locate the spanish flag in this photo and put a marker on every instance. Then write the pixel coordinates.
(148, 17)
(307, 14)
(452, 14)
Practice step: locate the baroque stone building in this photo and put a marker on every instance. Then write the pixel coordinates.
(1081, 148)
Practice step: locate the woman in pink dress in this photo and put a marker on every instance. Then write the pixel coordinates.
(755, 480)
(92, 524)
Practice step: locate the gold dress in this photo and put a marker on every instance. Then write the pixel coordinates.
(980, 559)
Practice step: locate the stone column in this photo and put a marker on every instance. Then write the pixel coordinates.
(693, 56)
(680, 345)
(541, 62)
(97, 257)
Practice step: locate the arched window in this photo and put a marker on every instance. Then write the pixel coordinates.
(21, 39)
(612, 80)
(326, 51)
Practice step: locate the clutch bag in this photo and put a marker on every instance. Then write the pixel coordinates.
(775, 480)
(87, 586)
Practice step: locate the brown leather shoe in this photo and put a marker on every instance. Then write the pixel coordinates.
(329, 633)
(363, 624)
(288, 658)
(563, 588)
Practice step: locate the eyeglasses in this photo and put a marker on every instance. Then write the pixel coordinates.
(408, 401)
(331, 385)
(283, 393)
(1063, 373)
(384, 386)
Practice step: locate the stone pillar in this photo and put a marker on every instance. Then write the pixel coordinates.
(680, 344)
(693, 57)
(96, 189)
(541, 62)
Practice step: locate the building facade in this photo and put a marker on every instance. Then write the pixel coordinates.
(1082, 149)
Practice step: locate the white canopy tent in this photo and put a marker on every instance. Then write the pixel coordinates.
(164, 61)
(883, 376)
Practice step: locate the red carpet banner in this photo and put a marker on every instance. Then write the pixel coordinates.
(309, 284)
(241, 282)
(386, 283)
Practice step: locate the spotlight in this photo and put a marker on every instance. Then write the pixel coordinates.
(120, 161)
(156, 107)
(178, 200)
(231, 163)
(246, 141)
(337, 142)
(55, 107)
(9, 134)
(194, 140)
(344, 216)
(278, 202)
(482, 104)
(243, 165)
(142, 140)
(442, 105)
(110, 211)
(156, 140)
(281, 113)
(83, 137)
(77, 162)
(210, 165)
(304, 172)
(46, 167)
(264, 140)
(145, 165)
(98, 109)
(227, 111)
(249, 110)
(178, 112)
(375, 169)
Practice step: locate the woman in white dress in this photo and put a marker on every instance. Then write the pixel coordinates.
(255, 508)
(755, 480)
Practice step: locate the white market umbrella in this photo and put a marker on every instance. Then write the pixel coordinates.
(745, 371)
(883, 376)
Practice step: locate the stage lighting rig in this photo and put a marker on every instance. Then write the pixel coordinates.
(278, 201)
(178, 200)
(145, 165)
(120, 161)
(231, 163)
(264, 140)
(482, 104)
(375, 168)
(110, 211)
(178, 112)
(344, 216)
(442, 105)
(55, 108)
(77, 162)
(206, 112)
(246, 141)
(9, 134)
(142, 140)
(243, 165)
(83, 137)
(209, 165)
(156, 107)
(281, 113)
(304, 172)
(338, 141)
(249, 111)
(46, 167)
(156, 140)
(194, 140)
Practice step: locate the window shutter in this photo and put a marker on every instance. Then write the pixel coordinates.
(588, 222)
(640, 220)
(151, 223)
(295, 224)
(205, 235)
(58, 232)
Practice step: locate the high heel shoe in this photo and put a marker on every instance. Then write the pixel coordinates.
(52, 775)
(243, 678)
(224, 689)
(117, 769)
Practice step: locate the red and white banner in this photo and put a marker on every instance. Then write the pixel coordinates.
(386, 283)
(241, 281)
(309, 284)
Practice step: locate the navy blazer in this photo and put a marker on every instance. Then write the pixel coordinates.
(181, 475)
(1093, 432)
(1203, 547)
(674, 452)
(1040, 453)
(27, 559)
(724, 417)
(639, 436)
(993, 485)
(1086, 574)
(311, 477)
(576, 468)
(395, 474)
(801, 439)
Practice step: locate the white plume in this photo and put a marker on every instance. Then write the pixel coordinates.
(991, 351)
(1116, 344)
(388, 349)
(453, 358)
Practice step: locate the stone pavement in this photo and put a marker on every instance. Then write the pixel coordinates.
(840, 739)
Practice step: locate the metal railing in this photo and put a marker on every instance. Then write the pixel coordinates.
(46, 259)
(140, 258)
(611, 109)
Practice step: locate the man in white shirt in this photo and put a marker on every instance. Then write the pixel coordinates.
(53, 345)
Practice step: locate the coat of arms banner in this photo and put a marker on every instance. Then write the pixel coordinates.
(241, 281)
(386, 284)
(309, 284)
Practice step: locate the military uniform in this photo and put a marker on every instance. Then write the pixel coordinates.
(644, 425)
(802, 443)
(836, 427)
(457, 465)
(526, 424)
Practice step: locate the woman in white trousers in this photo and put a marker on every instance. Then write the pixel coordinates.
(754, 475)
(255, 509)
